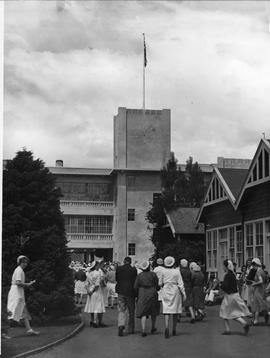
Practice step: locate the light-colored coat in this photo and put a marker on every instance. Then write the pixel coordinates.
(172, 290)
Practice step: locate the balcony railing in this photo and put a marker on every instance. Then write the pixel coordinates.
(90, 237)
(80, 203)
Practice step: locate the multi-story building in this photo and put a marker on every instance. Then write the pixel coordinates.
(105, 209)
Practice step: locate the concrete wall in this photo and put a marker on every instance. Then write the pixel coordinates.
(137, 196)
(142, 138)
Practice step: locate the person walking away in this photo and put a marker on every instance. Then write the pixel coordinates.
(258, 303)
(173, 293)
(187, 279)
(111, 283)
(146, 287)
(158, 271)
(243, 287)
(95, 300)
(198, 295)
(79, 289)
(16, 306)
(232, 306)
(125, 279)
(212, 289)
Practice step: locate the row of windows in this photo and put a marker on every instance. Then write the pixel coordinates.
(87, 191)
(89, 224)
(230, 242)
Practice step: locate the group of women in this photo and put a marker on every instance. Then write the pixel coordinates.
(172, 288)
(167, 288)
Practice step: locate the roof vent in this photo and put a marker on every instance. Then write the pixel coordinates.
(59, 163)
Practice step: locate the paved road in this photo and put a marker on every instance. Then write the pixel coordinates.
(200, 340)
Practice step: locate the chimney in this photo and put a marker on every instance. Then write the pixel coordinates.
(59, 163)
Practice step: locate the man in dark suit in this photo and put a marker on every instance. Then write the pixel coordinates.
(125, 279)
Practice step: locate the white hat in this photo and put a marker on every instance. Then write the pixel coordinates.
(159, 261)
(183, 263)
(21, 257)
(257, 261)
(169, 261)
(144, 265)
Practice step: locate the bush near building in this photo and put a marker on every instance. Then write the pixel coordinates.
(33, 225)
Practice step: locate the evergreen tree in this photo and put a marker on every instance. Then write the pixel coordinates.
(179, 189)
(33, 225)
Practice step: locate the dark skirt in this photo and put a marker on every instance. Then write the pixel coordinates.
(147, 304)
(189, 300)
(198, 297)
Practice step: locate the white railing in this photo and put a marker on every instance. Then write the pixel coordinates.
(90, 237)
(95, 204)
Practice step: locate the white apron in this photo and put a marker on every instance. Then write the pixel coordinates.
(16, 302)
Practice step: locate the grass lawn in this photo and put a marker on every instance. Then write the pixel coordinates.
(20, 342)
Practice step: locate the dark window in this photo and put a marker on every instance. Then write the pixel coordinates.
(266, 163)
(156, 196)
(131, 249)
(260, 166)
(255, 173)
(131, 214)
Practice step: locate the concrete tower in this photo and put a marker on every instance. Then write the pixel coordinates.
(142, 145)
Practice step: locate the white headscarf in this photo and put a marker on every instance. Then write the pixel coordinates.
(183, 263)
(230, 266)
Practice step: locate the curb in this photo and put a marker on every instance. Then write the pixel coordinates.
(52, 344)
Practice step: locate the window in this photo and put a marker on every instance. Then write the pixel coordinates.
(249, 241)
(86, 191)
(131, 214)
(232, 244)
(259, 240)
(88, 224)
(131, 249)
(209, 248)
(239, 246)
(156, 197)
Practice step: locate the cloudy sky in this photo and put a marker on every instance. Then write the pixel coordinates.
(68, 66)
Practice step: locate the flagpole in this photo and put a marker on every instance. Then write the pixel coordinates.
(143, 71)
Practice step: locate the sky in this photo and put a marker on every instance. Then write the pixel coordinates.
(69, 65)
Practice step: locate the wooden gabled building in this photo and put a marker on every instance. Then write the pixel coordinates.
(236, 213)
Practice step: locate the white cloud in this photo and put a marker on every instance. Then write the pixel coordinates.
(68, 68)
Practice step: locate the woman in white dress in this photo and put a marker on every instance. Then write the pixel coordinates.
(16, 306)
(173, 293)
(95, 299)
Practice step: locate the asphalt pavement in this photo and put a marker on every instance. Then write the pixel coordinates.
(199, 340)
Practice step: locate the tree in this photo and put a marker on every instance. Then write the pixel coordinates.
(179, 189)
(33, 225)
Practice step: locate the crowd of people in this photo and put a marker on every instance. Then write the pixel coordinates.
(149, 289)
(153, 288)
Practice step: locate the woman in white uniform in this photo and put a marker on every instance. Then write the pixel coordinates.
(95, 299)
(16, 306)
(173, 293)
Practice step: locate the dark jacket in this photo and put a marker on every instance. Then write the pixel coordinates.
(125, 278)
(229, 284)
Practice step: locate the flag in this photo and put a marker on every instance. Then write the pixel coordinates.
(144, 51)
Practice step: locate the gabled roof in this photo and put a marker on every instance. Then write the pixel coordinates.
(262, 150)
(183, 221)
(234, 179)
(228, 183)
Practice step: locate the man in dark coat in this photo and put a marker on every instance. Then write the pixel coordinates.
(125, 278)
